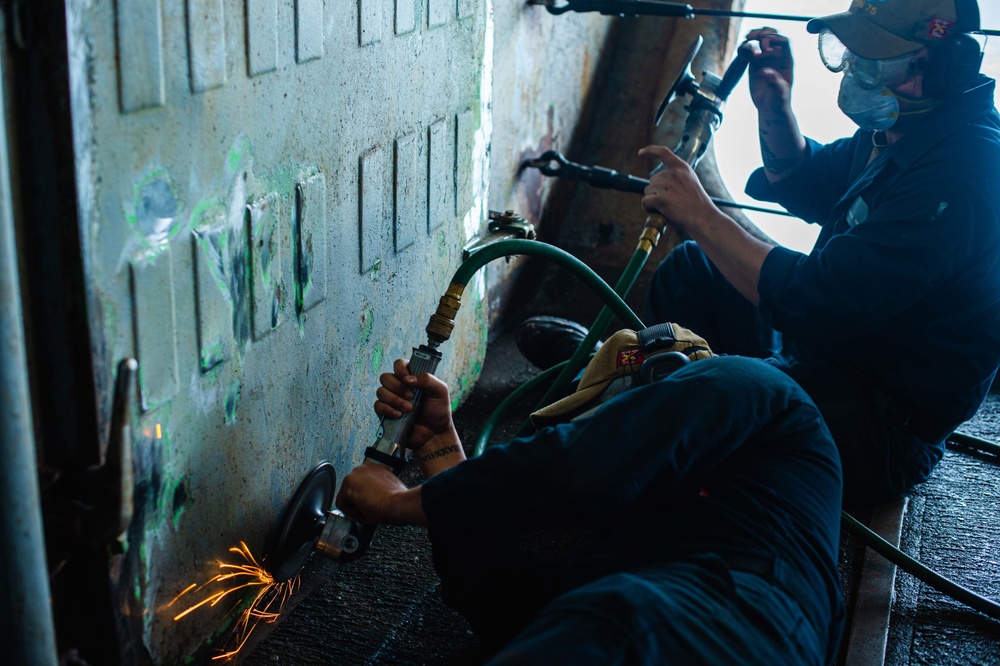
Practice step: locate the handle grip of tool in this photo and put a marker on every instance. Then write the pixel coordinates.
(393, 433)
(343, 539)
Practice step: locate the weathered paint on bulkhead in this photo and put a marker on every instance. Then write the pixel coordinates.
(273, 195)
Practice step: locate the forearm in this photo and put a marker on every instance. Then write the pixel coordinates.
(443, 451)
(734, 251)
(782, 146)
(407, 509)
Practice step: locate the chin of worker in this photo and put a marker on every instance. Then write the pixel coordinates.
(905, 260)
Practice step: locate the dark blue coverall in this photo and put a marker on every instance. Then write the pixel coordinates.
(712, 503)
(892, 322)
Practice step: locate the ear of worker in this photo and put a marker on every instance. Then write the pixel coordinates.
(622, 355)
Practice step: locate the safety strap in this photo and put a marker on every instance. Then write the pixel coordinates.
(654, 337)
(394, 463)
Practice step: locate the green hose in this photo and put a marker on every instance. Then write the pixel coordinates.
(972, 442)
(507, 248)
(596, 332)
(918, 570)
(614, 305)
(515, 396)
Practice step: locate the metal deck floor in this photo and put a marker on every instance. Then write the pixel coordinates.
(386, 608)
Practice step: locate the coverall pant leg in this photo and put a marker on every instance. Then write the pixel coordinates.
(689, 290)
(881, 459)
(690, 613)
(598, 469)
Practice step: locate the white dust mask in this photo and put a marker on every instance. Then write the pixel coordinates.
(870, 109)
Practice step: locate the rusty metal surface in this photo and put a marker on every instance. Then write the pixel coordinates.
(603, 227)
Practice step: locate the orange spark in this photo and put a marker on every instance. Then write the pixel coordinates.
(266, 604)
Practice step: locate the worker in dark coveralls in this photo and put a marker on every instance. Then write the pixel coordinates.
(892, 323)
(711, 503)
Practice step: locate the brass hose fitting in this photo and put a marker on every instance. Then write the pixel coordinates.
(442, 322)
(651, 232)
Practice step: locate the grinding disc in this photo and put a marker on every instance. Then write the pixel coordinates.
(295, 534)
(681, 81)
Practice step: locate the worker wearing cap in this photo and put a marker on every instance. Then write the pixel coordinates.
(892, 322)
(709, 533)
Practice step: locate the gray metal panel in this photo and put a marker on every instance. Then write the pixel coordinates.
(265, 264)
(406, 16)
(213, 318)
(369, 21)
(206, 44)
(308, 30)
(155, 330)
(410, 207)
(439, 12)
(140, 48)
(375, 207)
(312, 241)
(441, 174)
(464, 141)
(262, 36)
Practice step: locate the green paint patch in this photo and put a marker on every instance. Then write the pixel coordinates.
(377, 357)
(155, 212)
(284, 177)
(240, 153)
(211, 357)
(232, 402)
(177, 493)
(367, 326)
(466, 382)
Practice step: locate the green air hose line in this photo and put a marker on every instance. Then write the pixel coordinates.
(515, 396)
(970, 441)
(507, 248)
(442, 322)
(918, 570)
(596, 332)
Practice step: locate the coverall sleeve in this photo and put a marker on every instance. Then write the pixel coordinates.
(814, 187)
(917, 239)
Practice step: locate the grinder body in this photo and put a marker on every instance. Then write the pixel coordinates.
(343, 539)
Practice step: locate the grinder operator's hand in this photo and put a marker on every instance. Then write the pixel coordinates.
(770, 70)
(372, 493)
(676, 193)
(433, 422)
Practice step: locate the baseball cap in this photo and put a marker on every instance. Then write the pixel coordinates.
(881, 29)
(620, 356)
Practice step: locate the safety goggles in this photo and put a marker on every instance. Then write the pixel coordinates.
(869, 74)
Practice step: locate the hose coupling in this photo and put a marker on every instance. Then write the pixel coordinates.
(442, 322)
(651, 232)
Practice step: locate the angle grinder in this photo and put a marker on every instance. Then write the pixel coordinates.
(308, 523)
